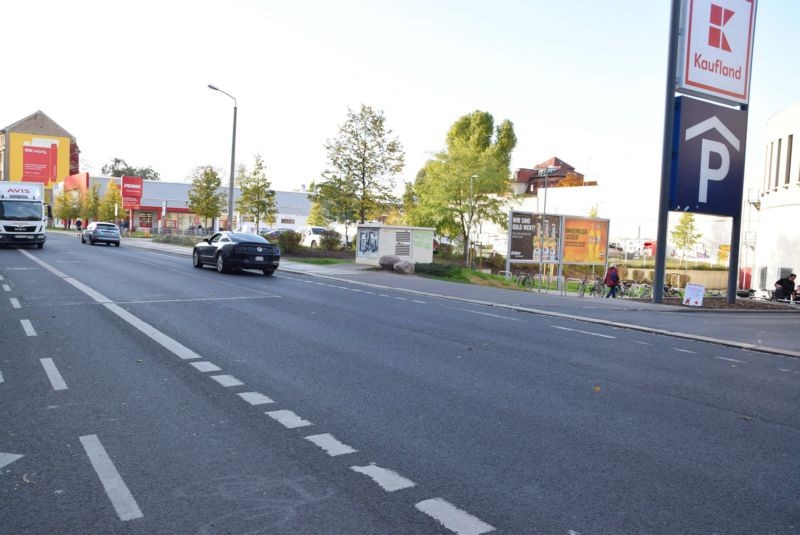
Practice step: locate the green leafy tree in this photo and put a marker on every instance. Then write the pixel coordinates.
(468, 181)
(685, 236)
(111, 198)
(316, 215)
(363, 163)
(90, 204)
(333, 205)
(118, 167)
(67, 206)
(257, 198)
(205, 199)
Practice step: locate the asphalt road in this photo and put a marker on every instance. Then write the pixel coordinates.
(141, 395)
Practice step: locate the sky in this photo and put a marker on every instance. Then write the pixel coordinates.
(581, 80)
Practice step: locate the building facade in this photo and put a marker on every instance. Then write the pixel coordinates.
(776, 241)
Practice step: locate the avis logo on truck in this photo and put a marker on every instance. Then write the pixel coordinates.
(23, 217)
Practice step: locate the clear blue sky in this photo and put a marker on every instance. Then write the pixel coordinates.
(582, 80)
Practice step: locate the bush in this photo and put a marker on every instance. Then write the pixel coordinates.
(289, 241)
(436, 270)
(330, 240)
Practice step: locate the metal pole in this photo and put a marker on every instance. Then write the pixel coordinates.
(233, 157)
(666, 154)
(541, 235)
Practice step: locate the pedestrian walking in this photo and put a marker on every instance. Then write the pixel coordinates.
(612, 281)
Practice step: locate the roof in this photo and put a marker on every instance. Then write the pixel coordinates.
(555, 167)
(38, 122)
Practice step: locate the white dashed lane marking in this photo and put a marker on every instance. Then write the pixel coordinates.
(684, 350)
(1, 378)
(121, 498)
(328, 442)
(582, 332)
(387, 479)
(730, 359)
(14, 302)
(453, 518)
(288, 419)
(420, 302)
(255, 398)
(205, 366)
(6, 288)
(28, 326)
(641, 343)
(227, 380)
(488, 314)
(53, 374)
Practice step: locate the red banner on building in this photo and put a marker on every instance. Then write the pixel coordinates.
(132, 187)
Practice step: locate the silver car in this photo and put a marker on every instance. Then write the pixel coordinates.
(99, 232)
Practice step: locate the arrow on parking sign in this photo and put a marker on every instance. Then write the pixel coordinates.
(8, 458)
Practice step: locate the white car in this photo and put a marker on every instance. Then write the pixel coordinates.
(311, 236)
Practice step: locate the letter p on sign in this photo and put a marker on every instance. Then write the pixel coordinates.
(706, 172)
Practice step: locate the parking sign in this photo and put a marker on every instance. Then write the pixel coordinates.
(707, 171)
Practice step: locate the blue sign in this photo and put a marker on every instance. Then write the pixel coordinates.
(707, 170)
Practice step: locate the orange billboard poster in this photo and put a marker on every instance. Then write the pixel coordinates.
(585, 240)
(38, 158)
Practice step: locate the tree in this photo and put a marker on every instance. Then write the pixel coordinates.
(205, 199)
(468, 181)
(684, 235)
(257, 198)
(363, 163)
(90, 203)
(316, 215)
(118, 167)
(333, 205)
(111, 203)
(67, 206)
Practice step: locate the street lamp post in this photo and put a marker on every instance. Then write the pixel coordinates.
(233, 157)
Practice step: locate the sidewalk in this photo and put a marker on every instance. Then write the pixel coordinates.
(763, 331)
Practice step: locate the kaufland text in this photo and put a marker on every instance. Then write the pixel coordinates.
(717, 67)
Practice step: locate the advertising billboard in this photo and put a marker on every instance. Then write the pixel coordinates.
(131, 190)
(716, 48)
(534, 237)
(38, 158)
(585, 240)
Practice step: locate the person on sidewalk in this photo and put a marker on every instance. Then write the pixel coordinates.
(784, 288)
(612, 281)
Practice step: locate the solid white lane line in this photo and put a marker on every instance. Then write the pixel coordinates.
(53, 374)
(453, 518)
(684, 350)
(487, 314)
(148, 330)
(255, 398)
(227, 380)
(6, 288)
(121, 498)
(14, 302)
(583, 332)
(157, 336)
(328, 442)
(205, 366)
(387, 479)
(730, 360)
(288, 419)
(28, 326)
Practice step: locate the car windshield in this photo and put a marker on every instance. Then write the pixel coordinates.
(106, 226)
(20, 211)
(244, 236)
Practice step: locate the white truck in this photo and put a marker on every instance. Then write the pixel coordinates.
(23, 214)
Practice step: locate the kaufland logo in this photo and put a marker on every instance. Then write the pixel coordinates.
(716, 30)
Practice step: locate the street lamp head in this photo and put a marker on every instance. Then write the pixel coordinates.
(215, 88)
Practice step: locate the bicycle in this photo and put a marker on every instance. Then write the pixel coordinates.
(523, 279)
(598, 288)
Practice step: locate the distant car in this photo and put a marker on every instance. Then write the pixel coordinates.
(272, 234)
(100, 232)
(237, 250)
(311, 236)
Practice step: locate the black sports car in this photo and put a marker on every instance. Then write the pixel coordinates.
(237, 250)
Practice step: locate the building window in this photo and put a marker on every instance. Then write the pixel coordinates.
(287, 221)
(769, 166)
(789, 158)
(778, 164)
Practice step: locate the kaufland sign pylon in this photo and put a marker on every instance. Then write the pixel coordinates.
(716, 49)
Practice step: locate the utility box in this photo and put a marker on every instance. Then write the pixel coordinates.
(373, 241)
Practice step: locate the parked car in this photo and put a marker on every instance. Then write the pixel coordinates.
(311, 236)
(272, 234)
(237, 250)
(100, 232)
